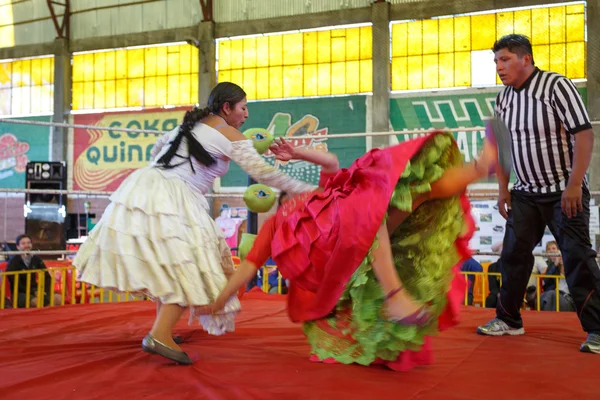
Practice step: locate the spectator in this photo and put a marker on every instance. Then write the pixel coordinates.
(27, 262)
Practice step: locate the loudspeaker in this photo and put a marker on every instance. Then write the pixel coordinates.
(45, 213)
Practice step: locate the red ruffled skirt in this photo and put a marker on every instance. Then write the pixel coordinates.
(323, 241)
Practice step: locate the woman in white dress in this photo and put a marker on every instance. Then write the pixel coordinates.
(156, 237)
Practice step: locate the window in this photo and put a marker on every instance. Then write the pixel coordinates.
(136, 77)
(27, 86)
(451, 51)
(306, 63)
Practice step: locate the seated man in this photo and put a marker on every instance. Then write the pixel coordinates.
(27, 262)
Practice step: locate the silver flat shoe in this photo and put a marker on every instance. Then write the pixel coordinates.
(153, 346)
(177, 339)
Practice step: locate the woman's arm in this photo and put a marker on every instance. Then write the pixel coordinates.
(241, 277)
(285, 151)
(260, 253)
(245, 155)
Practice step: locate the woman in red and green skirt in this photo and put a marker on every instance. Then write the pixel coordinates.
(373, 256)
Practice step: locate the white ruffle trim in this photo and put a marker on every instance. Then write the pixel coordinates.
(156, 238)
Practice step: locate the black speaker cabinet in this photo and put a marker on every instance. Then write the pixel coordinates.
(45, 214)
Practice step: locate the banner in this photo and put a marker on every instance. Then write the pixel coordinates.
(431, 111)
(491, 227)
(20, 144)
(442, 110)
(322, 117)
(102, 159)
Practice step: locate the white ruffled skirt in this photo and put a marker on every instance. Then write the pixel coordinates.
(156, 239)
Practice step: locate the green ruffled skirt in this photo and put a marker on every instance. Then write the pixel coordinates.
(425, 253)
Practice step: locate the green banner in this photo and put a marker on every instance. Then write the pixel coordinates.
(20, 144)
(323, 117)
(440, 110)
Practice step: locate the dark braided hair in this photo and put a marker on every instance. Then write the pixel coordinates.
(282, 195)
(224, 92)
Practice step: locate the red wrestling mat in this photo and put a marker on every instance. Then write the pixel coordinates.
(93, 352)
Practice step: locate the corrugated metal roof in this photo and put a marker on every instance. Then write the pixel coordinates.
(405, 1)
(135, 18)
(154, 15)
(32, 32)
(242, 10)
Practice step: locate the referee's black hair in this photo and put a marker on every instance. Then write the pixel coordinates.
(515, 43)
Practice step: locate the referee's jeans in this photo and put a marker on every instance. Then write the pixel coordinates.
(525, 226)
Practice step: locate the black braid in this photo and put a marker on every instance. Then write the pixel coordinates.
(224, 92)
(195, 149)
(282, 195)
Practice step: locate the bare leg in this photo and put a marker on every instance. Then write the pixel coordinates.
(396, 217)
(177, 339)
(401, 304)
(453, 182)
(165, 321)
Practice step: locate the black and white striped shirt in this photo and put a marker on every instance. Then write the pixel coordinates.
(542, 116)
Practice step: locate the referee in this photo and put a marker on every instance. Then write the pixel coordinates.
(552, 141)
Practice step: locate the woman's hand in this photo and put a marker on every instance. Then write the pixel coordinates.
(210, 309)
(283, 150)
